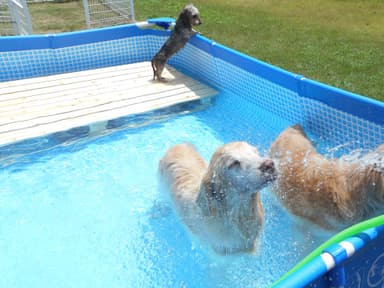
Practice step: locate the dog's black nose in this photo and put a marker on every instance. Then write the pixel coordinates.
(267, 166)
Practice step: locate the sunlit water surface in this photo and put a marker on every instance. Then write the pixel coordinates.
(91, 213)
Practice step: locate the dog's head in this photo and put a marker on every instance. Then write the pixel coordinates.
(190, 16)
(238, 166)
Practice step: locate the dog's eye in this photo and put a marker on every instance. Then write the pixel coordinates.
(194, 16)
(234, 165)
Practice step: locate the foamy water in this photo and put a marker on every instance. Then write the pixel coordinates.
(91, 213)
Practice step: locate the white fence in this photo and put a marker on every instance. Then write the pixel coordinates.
(14, 18)
(100, 13)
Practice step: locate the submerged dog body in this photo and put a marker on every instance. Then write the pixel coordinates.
(181, 34)
(332, 193)
(221, 202)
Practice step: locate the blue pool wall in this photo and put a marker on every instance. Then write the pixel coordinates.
(341, 117)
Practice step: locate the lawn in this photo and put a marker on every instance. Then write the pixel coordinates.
(51, 17)
(338, 42)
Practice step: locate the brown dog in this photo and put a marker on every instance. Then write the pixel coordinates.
(183, 31)
(332, 193)
(221, 202)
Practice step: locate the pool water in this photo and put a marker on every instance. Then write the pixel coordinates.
(91, 213)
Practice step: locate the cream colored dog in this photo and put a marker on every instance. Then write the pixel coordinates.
(332, 193)
(221, 202)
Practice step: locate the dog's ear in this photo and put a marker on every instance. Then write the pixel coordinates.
(184, 17)
(208, 187)
(212, 190)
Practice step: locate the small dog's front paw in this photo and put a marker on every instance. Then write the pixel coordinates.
(194, 32)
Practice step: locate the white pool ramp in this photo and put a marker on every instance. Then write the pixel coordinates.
(39, 106)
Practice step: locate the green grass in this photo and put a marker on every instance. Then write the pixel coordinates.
(338, 42)
(53, 17)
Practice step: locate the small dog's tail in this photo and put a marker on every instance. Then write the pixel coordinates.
(299, 128)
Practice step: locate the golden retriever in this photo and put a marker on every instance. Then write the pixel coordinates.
(220, 203)
(332, 193)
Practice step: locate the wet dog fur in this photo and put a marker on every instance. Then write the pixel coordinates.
(219, 202)
(331, 193)
(181, 34)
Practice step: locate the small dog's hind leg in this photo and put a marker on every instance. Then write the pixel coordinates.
(158, 68)
(154, 69)
(159, 71)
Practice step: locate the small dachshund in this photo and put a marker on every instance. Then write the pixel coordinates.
(180, 35)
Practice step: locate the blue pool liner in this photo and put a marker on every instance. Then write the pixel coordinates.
(341, 117)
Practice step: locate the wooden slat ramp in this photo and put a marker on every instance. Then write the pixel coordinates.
(44, 105)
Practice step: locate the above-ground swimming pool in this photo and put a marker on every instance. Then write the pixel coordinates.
(80, 210)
